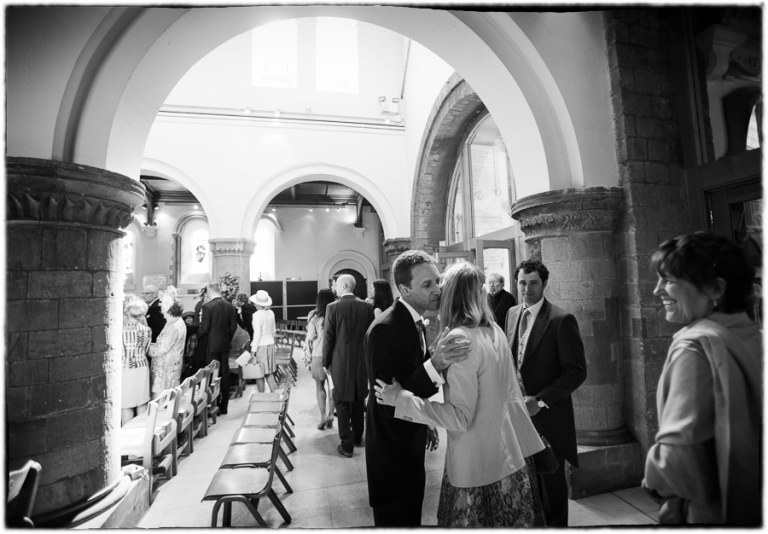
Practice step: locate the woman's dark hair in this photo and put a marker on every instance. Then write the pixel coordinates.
(701, 258)
(382, 294)
(324, 298)
(242, 298)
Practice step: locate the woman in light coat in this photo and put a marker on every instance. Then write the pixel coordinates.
(489, 479)
(263, 342)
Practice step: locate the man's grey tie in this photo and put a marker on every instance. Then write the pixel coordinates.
(521, 346)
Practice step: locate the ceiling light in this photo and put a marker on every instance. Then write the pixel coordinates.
(311, 208)
(395, 99)
(277, 113)
(382, 99)
(156, 206)
(387, 121)
(197, 207)
(274, 208)
(247, 111)
(327, 209)
(144, 206)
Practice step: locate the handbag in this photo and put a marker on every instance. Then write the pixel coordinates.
(545, 461)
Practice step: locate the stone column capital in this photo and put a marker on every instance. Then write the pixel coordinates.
(55, 191)
(566, 211)
(396, 246)
(227, 246)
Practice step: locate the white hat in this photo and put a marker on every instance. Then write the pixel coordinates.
(261, 298)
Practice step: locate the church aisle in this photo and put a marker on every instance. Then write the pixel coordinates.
(331, 491)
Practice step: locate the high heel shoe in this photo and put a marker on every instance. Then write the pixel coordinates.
(321, 426)
(329, 423)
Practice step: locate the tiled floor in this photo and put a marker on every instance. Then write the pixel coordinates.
(331, 491)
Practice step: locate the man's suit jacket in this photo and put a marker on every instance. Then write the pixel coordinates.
(346, 322)
(245, 318)
(553, 367)
(394, 448)
(500, 304)
(218, 325)
(155, 319)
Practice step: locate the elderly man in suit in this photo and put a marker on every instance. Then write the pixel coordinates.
(396, 348)
(155, 317)
(499, 299)
(346, 322)
(549, 356)
(217, 328)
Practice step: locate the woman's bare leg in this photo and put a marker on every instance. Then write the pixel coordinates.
(260, 384)
(321, 401)
(271, 382)
(126, 414)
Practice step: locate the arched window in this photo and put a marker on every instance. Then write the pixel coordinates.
(482, 191)
(194, 263)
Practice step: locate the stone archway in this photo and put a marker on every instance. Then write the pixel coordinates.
(455, 108)
(348, 259)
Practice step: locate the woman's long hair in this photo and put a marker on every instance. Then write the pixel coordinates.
(324, 298)
(382, 294)
(464, 301)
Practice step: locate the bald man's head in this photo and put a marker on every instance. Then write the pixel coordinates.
(345, 284)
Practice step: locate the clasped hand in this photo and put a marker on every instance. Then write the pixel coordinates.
(386, 394)
(449, 348)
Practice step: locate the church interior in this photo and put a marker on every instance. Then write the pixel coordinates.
(279, 145)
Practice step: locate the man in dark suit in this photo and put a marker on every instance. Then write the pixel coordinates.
(499, 299)
(245, 311)
(549, 357)
(346, 322)
(217, 328)
(155, 317)
(396, 348)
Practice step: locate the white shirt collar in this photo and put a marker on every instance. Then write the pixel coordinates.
(414, 315)
(535, 309)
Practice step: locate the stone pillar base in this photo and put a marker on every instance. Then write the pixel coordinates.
(606, 469)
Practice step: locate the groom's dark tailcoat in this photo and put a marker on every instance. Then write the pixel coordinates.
(553, 366)
(394, 449)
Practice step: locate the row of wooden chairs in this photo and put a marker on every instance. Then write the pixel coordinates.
(246, 473)
(291, 331)
(157, 438)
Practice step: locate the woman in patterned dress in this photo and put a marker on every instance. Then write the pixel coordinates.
(136, 339)
(168, 352)
(489, 478)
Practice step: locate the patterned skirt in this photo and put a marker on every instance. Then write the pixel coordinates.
(266, 356)
(513, 501)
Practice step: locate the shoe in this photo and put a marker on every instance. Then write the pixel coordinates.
(342, 452)
(360, 443)
(321, 426)
(222, 412)
(329, 423)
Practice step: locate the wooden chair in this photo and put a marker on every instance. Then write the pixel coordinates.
(151, 438)
(22, 490)
(238, 385)
(200, 400)
(247, 483)
(214, 389)
(185, 417)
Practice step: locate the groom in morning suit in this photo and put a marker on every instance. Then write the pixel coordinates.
(396, 347)
(549, 357)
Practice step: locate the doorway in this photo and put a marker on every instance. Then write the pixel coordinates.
(361, 284)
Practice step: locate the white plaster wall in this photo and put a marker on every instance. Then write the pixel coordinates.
(234, 163)
(310, 239)
(223, 77)
(573, 47)
(426, 77)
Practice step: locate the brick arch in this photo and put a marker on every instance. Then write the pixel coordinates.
(456, 107)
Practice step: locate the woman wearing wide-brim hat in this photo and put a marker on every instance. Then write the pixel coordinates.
(263, 343)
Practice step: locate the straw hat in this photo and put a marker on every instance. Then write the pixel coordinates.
(261, 298)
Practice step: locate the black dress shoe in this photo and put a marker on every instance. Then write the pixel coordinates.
(222, 412)
(342, 452)
(360, 443)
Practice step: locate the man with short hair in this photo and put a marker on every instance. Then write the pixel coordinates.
(346, 322)
(499, 299)
(155, 317)
(549, 357)
(334, 279)
(396, 348)
(217, 328)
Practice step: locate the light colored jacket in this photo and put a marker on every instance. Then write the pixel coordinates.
(264, 329)
(489, 431)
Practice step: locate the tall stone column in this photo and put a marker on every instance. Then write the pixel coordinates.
(64, 293)
(233, 256)
(573, 232)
